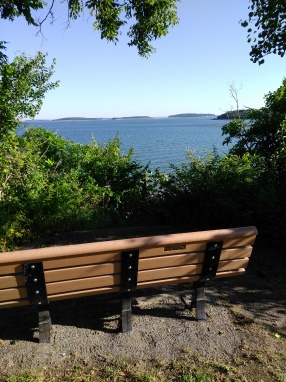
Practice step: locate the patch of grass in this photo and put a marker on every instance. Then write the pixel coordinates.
(22, 377)
(251, 365)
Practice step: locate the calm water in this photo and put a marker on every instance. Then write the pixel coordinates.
(160, 141)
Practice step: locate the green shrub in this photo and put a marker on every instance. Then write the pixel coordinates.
(51, 184)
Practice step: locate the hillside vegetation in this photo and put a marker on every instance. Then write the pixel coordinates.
(232, 114)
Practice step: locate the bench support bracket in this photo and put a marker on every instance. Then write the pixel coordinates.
(210, 266)
(129, 272)
(37, 293)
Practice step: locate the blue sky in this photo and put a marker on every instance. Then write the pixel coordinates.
(189, 73)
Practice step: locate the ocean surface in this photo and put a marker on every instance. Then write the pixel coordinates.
(157, 141)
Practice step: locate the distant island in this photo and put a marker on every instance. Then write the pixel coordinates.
(75, 119)
(136, 116)
(93, 119)
(191, 115)
(243, 114)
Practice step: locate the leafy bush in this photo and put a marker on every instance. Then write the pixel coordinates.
(212, 191)
(49, 183)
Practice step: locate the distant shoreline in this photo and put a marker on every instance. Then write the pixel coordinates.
(184, 115)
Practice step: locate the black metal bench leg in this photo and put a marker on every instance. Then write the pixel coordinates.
(44, 323)
(198, 300)
(126, 314)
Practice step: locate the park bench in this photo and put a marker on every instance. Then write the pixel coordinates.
(40, 276)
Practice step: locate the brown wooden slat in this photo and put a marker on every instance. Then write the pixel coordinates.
(144, 284)
(13, 294)
(163, 273)
(169, 264)
(99, 258)
(186, 270)
(61, 296)
(81, 284)
(187, 279)
(190, 258)
(65, 262)
(9, 269)
(167, 281)
(235, 272)
(232, 264)
(236, 253)
(84, 293)
(144, 263)
(64, 287)
(82, 272)
(170, 261)
(240, 236)
(64, 274)
(196, 247)
(14, 303)
(12, 281)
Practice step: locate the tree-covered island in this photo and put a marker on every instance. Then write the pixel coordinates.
(192, 115)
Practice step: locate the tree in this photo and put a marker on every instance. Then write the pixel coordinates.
(264, 135)
(23, 84)
(152, 18)
(266, 28)
(15, 8)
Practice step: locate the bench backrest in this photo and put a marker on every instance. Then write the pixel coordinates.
(96, 268)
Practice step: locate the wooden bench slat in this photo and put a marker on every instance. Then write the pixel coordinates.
(81, 284)
(61, 296)
(195, 247)
(82, 272)
(187, 279)
(145, 284)
(12, 281)
(190, 258)
(14, 303)
(114, 280)
(13, 294)
(231, 273)
(185, 270)
(64, 274)
(231, 237)
(84, 293)
(236, 253)
(94, 270)
(114, 268)
(64, 286)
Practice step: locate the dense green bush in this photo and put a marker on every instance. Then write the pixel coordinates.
(49, 183)
(211, 191)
